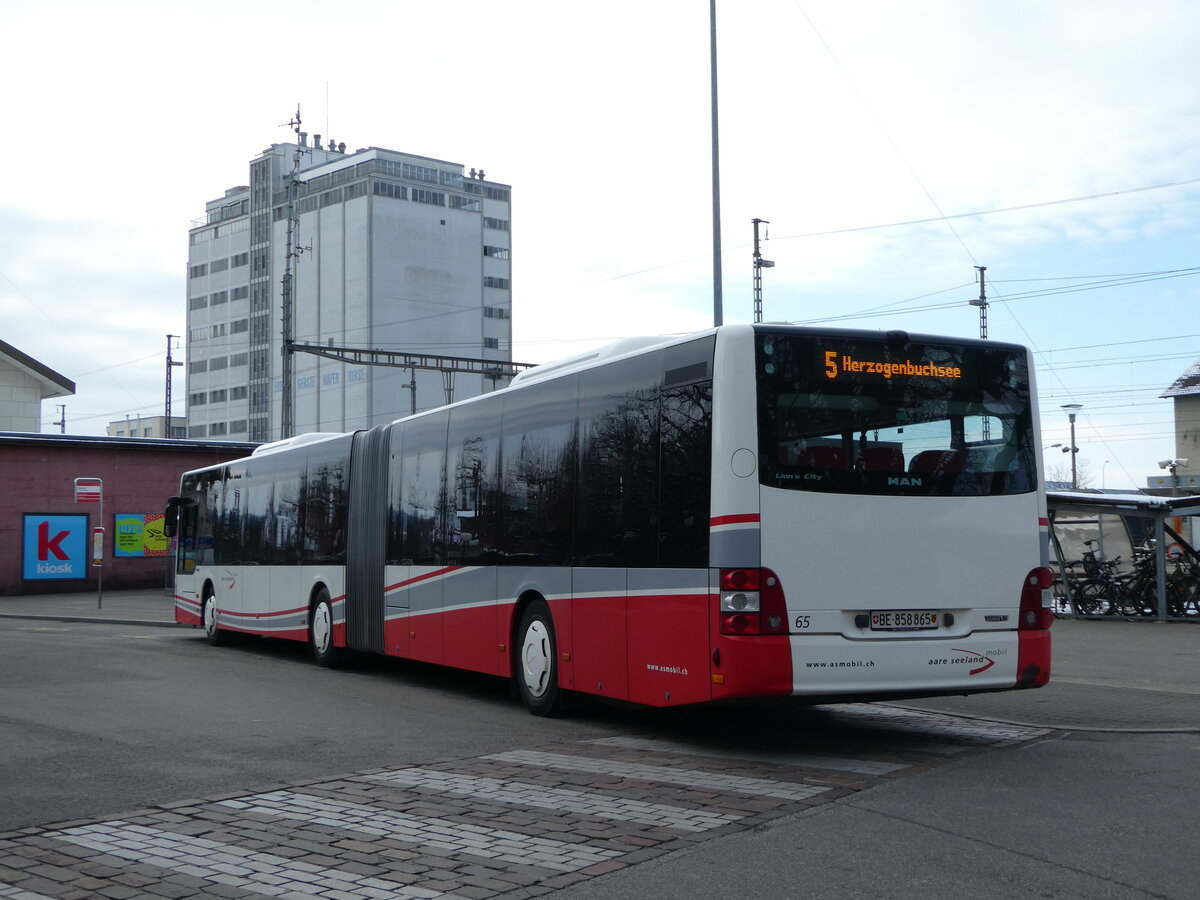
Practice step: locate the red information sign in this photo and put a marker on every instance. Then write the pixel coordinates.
(89, 490)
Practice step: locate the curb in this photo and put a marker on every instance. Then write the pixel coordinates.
(100, 620)
(1100, 729)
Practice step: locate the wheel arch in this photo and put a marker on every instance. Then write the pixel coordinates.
(527, 598)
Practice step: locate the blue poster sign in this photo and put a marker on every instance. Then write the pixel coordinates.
(56, 547)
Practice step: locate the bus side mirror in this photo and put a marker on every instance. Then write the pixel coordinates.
(171, 518)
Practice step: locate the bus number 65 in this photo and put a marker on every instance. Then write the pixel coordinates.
(802, 622)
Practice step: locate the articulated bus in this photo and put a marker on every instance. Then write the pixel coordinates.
(751, 511)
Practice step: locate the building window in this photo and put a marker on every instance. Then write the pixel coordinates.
(197, 399)
(198, 271)
(491, 343)
(354, 190)
(240, 293)
(495, 224)
(495, 193)
(239, 259)
(238, 326)
(198, 303)
(218, 298)
(237, 426)
(470, 204)
(219, 265)
(495, 312)
(217, 363)
(217, 331)
(218, 429)
(218, 396)
(239, 359)
(493, 282)
(260, 298)
(200, 365)
(419, 173)
(495, 252)
(240, 392)
(433, 198)
(198, 431)
(197, 334)
(387, 189)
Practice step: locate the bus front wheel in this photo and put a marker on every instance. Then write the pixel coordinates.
(537, 661)
(212, 631)
(320, 632)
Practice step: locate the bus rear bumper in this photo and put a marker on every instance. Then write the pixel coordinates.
(831, 665)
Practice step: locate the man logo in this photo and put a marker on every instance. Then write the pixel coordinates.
(904, 481)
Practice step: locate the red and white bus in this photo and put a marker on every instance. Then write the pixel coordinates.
(750, 511)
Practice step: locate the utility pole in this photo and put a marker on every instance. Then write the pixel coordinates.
(286, 415)
(759, 265)
(171, 363)
(718, 312)
(412, 386)
(982, 303)
(62, 418)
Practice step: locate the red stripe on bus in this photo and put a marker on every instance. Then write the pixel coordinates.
(426, 577)
(737, 519)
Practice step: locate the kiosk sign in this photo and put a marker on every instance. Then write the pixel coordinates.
(55, 547)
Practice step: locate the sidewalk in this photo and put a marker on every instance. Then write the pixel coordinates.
(1141, 676)
(149, 606)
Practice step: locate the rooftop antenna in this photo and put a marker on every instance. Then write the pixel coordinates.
(759, 265)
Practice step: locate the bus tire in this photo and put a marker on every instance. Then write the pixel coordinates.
(208, 614)
(536, 665)
(320, 632)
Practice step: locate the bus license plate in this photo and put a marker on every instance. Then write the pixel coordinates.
(904, 620)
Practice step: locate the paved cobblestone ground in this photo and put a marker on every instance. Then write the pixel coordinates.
(516, 824)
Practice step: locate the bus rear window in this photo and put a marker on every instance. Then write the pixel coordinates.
(893, 415)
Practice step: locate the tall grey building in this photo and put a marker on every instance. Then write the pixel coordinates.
(391, 252)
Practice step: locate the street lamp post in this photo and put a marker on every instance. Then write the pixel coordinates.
(1071, 409)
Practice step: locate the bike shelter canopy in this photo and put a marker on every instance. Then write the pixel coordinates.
(1143, 517)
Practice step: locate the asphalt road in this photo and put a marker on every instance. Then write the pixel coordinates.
(118, 723)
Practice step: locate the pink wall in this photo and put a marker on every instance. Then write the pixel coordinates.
(37, 475)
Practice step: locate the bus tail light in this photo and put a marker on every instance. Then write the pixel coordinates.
(1036, 603)
(752, 602)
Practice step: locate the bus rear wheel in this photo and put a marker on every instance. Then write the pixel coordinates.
(536, 665)
(320, 632)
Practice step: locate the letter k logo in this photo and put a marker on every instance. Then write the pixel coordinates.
(48, 545)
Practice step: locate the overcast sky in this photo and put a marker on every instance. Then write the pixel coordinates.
(893, 146)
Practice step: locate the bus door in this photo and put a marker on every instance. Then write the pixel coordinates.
(414, 598)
